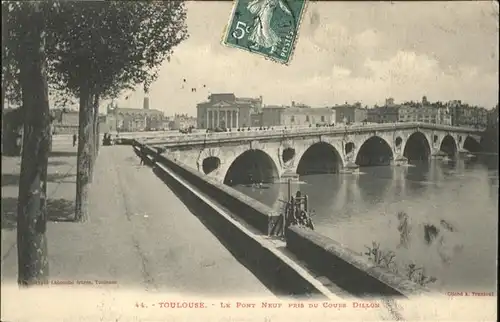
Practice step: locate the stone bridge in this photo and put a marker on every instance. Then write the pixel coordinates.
(244, 157)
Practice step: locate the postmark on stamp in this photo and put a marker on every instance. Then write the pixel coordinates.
(265, 27)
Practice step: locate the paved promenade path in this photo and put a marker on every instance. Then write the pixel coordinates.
(140, 235)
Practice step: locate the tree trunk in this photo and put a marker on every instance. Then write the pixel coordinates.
(95, 136)
(32, 207)
(5, 60)
(96, 126)
(84, 158)
(92, 138)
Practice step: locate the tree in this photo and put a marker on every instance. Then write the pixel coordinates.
(32, 207)
(10, 46)
(91, 51)
(102, 48)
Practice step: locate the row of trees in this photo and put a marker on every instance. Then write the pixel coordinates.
(90, 51)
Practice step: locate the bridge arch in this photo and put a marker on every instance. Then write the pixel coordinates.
(449, 145)
(472, 145)
(417, 147)
(320, 157)
(374, 151)
(251, 166)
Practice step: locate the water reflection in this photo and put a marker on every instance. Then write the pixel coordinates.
(268, 194)
(398, 184)
(417, 177)
(358, 209)
(374, 184)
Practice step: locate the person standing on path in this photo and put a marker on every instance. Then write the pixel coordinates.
(74, 139)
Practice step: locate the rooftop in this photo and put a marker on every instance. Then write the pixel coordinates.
(274, 106)
(311, 110)
(135, 110)
(230, 98)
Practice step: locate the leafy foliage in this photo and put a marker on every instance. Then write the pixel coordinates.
(385, 259)
(13, 15)
(111, 46)
(107, 46)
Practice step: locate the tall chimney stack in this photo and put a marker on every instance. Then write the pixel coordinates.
(145, 105)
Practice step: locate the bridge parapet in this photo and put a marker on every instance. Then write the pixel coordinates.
(294, 132)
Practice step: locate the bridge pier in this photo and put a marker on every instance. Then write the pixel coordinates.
(437, 153)
(399, 160)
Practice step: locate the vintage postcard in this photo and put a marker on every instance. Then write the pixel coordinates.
(327, 161)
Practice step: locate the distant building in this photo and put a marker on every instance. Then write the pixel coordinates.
(296, 115)
(257, 119)
(465, 115)
(479, 117)
(103, 125)
(300, 116)
(350, 113)
(493, 117)
(226, 110)
(182, 121)
(389, 113)
(272, 115)
(167, 123)
(65, 121)
(425, 112)
(134, 119)
(456, 112)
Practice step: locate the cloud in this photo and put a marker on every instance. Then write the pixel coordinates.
(347, 51)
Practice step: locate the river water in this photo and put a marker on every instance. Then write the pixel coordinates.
(358, 209)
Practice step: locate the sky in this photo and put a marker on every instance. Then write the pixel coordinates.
(345, 52)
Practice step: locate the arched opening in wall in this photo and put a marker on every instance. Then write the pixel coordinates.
(288, 154)
(470, 144)
(349, 147)
(252, 166)
(435, 139)
(375, 151)
(449, 146)
(417, 148)
(210, 164)
(398, 142)
(319, 158)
